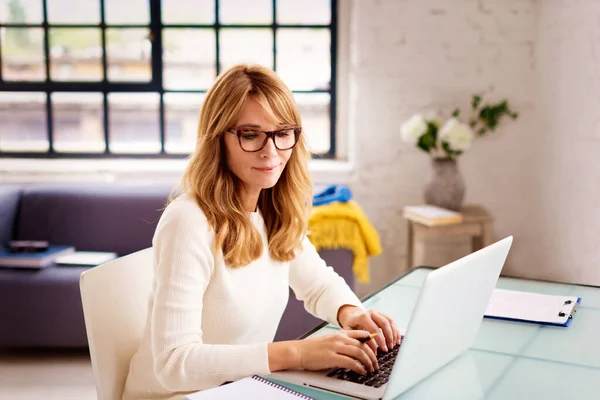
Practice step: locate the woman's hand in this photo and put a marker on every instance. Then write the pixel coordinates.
(352, 317)
(339, 350)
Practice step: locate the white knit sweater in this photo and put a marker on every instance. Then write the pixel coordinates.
(208, 323)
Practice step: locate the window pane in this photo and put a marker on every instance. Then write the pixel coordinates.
(78, 120)
(250, 46)
(182, 111)
(73, 12)
(304, 12)
(127, 12)
(23, 54)
(314, 110)
(21, 11)
(189, 58)
(246, 12)
(304, 58)
(133, 122)
(23, 122)
(75, 54)
(188, 11)
(128, 54)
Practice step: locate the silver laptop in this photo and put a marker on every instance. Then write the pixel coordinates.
(444, 323)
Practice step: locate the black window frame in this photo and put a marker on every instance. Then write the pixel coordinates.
(155, 85)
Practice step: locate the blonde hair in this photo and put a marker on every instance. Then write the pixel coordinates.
(285, 207)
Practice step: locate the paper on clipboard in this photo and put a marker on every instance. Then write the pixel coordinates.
(532, 307)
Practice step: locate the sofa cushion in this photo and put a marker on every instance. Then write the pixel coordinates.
(41, 308)
(99, 217)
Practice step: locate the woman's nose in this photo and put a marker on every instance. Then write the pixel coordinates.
(270, 149)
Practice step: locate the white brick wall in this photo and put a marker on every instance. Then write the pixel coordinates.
(568, 49)
(536, 175)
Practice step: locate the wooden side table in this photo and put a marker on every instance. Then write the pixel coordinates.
(477, 223)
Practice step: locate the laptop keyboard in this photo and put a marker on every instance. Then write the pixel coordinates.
(377, 378)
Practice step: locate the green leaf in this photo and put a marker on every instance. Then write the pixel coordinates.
(456, 113)
(422, 143)
(476, 101)
(427, 141)
(490, 115)
(449, 151)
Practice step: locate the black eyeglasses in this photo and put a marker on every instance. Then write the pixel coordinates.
(252, 140)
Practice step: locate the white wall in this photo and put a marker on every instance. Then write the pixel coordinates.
(536, 174)
(568, 51)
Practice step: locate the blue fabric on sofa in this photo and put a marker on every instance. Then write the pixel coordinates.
(43, 308)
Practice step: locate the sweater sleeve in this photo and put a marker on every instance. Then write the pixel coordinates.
(184, 264)
(321, 289)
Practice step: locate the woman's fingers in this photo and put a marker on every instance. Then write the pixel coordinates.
(368, 347)
(372, 327)
(349, 363)
(359, 334)
(355, 334)
(386, 327)
(358, 353)
(397, 338)
(353, 348)
(371, 353)
(372, 344)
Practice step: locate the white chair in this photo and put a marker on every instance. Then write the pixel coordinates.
(115, 299)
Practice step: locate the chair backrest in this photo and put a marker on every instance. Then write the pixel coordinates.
(115, 300)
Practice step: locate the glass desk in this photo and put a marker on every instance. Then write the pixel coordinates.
(508, 360)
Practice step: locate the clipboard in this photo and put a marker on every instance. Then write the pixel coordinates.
(544, 309)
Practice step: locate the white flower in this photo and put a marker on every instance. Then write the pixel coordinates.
(435, 119)
(413, 128)
(458, 135)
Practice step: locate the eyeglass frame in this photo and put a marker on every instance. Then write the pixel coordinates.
(268, 135)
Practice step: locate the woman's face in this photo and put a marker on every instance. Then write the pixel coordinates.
(260, 169)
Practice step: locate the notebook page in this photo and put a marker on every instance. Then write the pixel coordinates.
(246, 388)
(529, 306)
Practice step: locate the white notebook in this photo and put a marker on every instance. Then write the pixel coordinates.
(431, 215)
(532, 307)
(251, 388)
(89, 258)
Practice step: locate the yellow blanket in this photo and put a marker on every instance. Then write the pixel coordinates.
(344, 225)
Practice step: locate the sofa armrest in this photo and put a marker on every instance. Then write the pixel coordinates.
(9, 204)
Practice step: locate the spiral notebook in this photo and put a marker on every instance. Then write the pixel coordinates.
(250, 388)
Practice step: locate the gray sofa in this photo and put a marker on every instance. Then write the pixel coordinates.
(42, 308)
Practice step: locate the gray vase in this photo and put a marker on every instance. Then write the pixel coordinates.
(446, 188)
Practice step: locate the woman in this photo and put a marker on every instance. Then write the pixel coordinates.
(227, 249)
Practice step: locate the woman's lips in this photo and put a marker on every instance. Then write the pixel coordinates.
(267, 169)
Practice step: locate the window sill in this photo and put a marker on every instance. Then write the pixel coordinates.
(48, 171)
